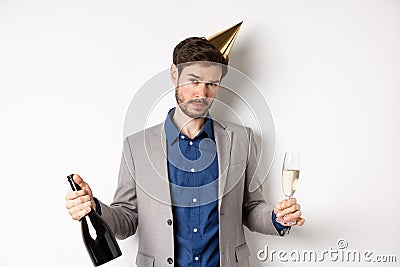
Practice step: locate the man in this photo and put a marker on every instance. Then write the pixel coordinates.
(184, 184)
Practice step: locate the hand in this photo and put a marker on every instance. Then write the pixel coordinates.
(288, 213)
(79, 203)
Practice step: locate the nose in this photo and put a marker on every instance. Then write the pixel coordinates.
(201, 90)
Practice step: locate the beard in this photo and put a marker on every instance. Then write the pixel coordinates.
(194, 108)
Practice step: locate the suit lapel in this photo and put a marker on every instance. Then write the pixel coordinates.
(223, 138)
(155, 142)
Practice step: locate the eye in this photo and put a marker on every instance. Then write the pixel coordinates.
(212, 85)
(195, 81)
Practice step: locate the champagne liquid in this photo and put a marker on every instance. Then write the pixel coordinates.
(289, 181)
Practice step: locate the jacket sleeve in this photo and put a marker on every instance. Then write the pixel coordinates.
(122, 214)
(257, 214)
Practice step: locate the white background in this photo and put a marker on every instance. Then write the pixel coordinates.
(329, 70)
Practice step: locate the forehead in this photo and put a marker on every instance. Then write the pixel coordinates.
(204, 70)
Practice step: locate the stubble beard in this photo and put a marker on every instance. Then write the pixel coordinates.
(184, 105)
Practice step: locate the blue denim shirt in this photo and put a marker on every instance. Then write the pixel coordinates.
(193, 176)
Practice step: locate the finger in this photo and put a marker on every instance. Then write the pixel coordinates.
(280, 206)
(78, 201)
(74, 194)
(80, 214)
(280, 220)
(287, 223)
(87, 190)
(301, 222)
(84, 186)
(82, 200)
(288, 202)
(73, 207)
(289, 210)
(76, 208)
(292, 217)
(277, 208)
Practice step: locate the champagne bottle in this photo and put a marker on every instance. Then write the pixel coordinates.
(97, 236)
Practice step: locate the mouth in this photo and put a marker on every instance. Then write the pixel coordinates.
(198, 104)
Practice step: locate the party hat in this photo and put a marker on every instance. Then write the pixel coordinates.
(224, 40)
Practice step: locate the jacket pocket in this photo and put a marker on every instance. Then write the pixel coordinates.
(242, 253)
(144, 260)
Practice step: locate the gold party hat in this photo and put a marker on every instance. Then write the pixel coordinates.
(224, 40)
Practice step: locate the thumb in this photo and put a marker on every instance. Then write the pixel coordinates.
(77, 179)
(83, 185)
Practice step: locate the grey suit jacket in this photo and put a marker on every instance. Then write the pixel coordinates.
(142, 200)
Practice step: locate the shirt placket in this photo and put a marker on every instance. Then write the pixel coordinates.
(195, 209)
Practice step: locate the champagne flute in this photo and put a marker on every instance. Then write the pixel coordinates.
(290, 176)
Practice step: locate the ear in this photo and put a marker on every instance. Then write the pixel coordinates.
(173, 71)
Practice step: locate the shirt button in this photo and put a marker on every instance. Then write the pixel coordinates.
(190, 143)
(169, 221)
(196, 258)
(192, 169)
(194, 200)
(195, 230)
(170, 260)
(182, 137)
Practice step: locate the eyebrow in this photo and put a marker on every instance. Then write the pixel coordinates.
(198, 77)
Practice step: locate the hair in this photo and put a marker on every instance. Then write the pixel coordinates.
(198, 49)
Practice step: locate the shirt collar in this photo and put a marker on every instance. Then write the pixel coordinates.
(172, 133)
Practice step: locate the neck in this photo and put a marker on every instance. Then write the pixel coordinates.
(187, 125)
